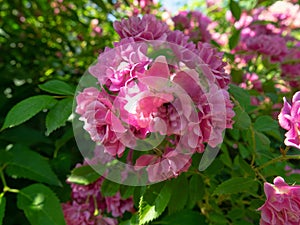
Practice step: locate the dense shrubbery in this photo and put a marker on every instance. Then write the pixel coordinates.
(223, 75)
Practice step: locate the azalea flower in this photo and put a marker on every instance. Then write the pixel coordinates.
(289, 119)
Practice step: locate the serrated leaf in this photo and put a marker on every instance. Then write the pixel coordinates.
(40, 205)
(184, 217)
(57, 87)
(235, 9)
(237, 185)
(154, 202)
(196, 190)
(2, 208)
(109, 188)
(180, 194)
(26, 109)
(83, 175)
(28, 164)
(58, 115)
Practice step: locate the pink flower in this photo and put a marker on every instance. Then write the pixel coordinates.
(194, 24)
(89, 194)
(147, 28)
(181, 21)
(289, 119)
(179, 38)
(214, 115)
(171, 164)
(118, 206)
(80, 214)
(289, 170)
(88, 205)
(100, 122)
(116, 67)
(214, 60)
(251, 81)
(282, 205)
(270, 45)
(291, 67)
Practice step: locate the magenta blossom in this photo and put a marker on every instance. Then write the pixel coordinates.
(213, 58)
(115, 68)
(169, 165)
(141, 29)
(291, 67)
(79, 214)
(194, 24)
(95, 109)
(282, 205)
(289, 119)
(88, 205)
(118, 206)
(269, 45)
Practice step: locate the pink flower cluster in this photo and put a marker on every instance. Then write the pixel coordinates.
(194, 24)
(267, 32)
(290, 67)
(88, 206)
(289, 119)
(282, 205)
(181, 96)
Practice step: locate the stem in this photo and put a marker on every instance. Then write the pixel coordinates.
(5, 187)
(254, 145)
(278, 159)
(2, 176)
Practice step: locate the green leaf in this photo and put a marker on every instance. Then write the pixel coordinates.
(5, 156)
(225, 157)
(58, 115)
(241, 95)
(25, 135)
(196, 190)
(133, 221)
(237, 75)
(268, 125)
(235, 9)
(234, 38)
(180, 194)
(237, 185)
(57, 87)
(242, 119)
(184, 217)
(109, 188)
(29, 164)
(154, 202)
(2, 208)
(246, 167)
(265, 123)
(83, 175)
(40, 205)
(262, 142)
(126, 191)
(26, 109)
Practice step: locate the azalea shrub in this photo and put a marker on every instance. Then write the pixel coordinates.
(121, 112)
